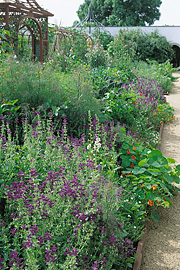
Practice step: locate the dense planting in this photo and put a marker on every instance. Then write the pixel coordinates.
(79, 172)
(68, 201)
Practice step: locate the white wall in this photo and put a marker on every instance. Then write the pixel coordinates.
(172, 33)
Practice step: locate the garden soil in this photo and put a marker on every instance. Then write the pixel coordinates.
(162, 246)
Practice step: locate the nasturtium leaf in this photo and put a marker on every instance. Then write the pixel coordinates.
(155, 216)
(156, 164)
(166, 204)
(178, 168)
(138, 170)
(154, 172)
(150, 196)
(148, 186)
(171, 160)
(176, 179)
(163, 187)
(155, 153)
(158, 199)
(163, 161)
(125, 146)
(142, 162)
(168, 178)
(125, 161)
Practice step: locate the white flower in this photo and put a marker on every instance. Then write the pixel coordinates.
(89, 146)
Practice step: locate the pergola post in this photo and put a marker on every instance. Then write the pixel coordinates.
(12, 12)
(7, 17)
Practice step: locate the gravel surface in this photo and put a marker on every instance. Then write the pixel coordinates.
(162, 247)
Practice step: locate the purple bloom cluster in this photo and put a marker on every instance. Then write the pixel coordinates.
(14, 260)
(1, 262)
(38, 195)
(3, 141)
(151, 92)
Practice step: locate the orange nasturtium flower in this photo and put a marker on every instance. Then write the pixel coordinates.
(154, 114)
(134, 102)
(128, 152)
(140, 94)
(161, 122)
(151, 203)
(154, 187)
(134, 148)
(132, 165)
(157, 109)
(133, 157)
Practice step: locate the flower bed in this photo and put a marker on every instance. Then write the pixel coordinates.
(69, 202)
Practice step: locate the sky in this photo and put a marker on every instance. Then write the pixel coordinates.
(65, 11)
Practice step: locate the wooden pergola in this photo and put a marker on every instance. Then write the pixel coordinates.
(16, 14)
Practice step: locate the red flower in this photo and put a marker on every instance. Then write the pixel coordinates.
(151, 203)
(154, 187)
(128, 152)
(133, 157)
(134, 102)
(132, 165)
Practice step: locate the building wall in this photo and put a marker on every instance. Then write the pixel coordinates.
(172, 33)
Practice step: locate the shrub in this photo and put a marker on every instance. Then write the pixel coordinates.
(162, 73)
(151, 46)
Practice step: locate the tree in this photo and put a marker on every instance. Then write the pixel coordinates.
(122, 12)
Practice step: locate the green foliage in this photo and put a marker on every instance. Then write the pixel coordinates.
(5, 48)
(141, 106)
(162, 73)
(66, 48)
(73, 206)
(150, 176)
(106, 79)
(122, 13)
(97, 56)
(121, 57)
(145, 46)
(9, 107)
(104, 37)
(86, 174)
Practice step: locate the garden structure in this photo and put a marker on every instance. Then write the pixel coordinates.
(20, 17)
(90, 21)
(66, 38)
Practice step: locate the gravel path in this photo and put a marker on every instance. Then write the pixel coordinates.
(162, 247)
